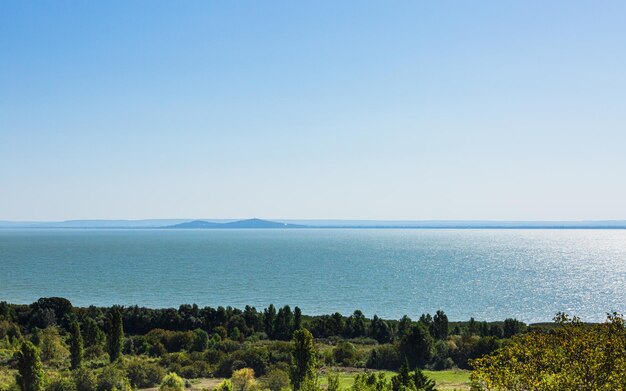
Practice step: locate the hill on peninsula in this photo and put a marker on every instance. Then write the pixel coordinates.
(249, 223)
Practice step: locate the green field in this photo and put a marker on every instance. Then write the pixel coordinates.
(452, 379)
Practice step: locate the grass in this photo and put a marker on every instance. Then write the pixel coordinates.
(451, 379)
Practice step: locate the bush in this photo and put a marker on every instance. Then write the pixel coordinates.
(172, 382)
(243, 380)
(276, 380)
(143, 374)
(345, 353)
(111, 379)
(61, 384)
(226, 385)
(84, 379)
(384, 357)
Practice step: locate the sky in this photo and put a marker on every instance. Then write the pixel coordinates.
(410, 110)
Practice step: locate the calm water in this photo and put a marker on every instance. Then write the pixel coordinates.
(488, 274)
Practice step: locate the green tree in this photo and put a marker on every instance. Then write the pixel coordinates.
(200, 340)
(85, 379)
(345, 353)
(297, 318)
(574, 356)
(115, 337)
(439, 327)
(304, 364)
(269, 317)
(276, 380)
(76, 346)
(417, 346)
(172, 382)
(512, 327)
(243, 380)
(30, 376)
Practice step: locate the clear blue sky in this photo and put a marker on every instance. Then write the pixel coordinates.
(321, 109)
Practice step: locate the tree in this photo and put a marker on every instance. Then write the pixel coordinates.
(512, 327)
(380, 330)
(404, 325)
(269, 317)
(405, 380)
(115, 337)
(92, 334)
(30, 376)
(297, 318)
(304, 364)
(439, 327)
(345, 353)
(355, 326)
(76, 346)
(276, 380)
(243, 380)
(85, 379)
(283, 325)
(573, 356)
(417, 346)
(200, 340)
(172, 382)
(58, 305)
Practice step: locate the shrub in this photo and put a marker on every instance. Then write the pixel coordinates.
(226, 385)
(276, 380)
(345, 353)
(84, 379)
(384, 357)
(61, 384)
(111, 379)
(243, 380)
(143, 374)
(172, 382)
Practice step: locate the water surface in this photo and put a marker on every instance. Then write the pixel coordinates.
(487, 274)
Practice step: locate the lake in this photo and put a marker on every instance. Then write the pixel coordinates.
(489, 274)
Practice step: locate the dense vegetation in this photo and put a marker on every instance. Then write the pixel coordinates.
(52, 345)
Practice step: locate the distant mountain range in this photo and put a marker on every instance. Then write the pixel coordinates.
(250, 223)
(258, 223)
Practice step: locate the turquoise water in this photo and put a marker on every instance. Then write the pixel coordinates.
(487, 274)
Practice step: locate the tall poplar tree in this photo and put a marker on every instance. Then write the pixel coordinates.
(76, 346)
(303, 368)
(115, 337)
(30, 376)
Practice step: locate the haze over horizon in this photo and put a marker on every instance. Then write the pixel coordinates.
(352, 110)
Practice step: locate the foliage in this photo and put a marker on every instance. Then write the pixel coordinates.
(304, 364)
(276, 379)
(200, 340)
(51, 344)
(243, 380)
(30, 375)
(226, 385)
(76, 346)
(84, 379)
(144, 374)
(115, 337)
(439, 327)
(112, 379)
(384, 357)
(512, 327)
(172, 382)
(572, 356)
(416, 380)
(61, 384)
(345, 353)
(417, 346)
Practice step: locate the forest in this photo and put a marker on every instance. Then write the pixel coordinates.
(52, 345)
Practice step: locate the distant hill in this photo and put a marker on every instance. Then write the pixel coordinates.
(250, 223)
(195, 224)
